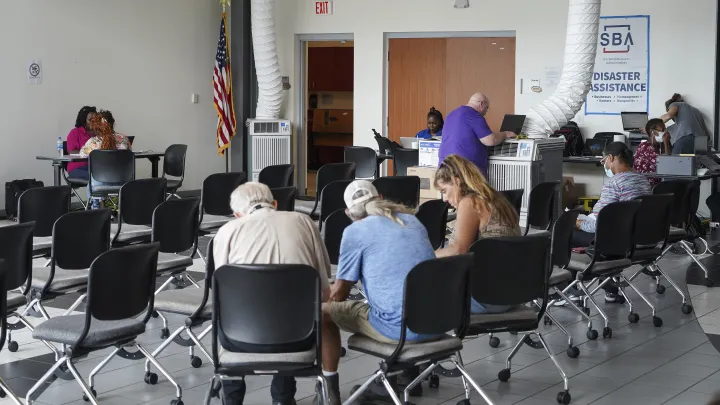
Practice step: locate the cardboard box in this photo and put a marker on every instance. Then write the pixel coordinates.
(427, 178)
(569, 192)
(428, 153)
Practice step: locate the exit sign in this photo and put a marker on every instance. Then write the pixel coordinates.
(323, 7)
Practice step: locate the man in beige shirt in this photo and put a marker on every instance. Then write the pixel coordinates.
(256, 237)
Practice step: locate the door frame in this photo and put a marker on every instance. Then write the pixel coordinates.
(301, 42)
(387, 36)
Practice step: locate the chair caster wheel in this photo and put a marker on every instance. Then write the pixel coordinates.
(633, 317)
(2, 393)
(660, 289)
(592, 334)
(709, 282)
(434, 381)
(85, 397)
(504, 375)
(563, 398)
(155, 314)
(494, 342)
(13, 346)
(621, 300)
(196, 362)
(547, 321)
(180, 402)
(687, 309)
(657, 321)
(343, 352)
(164, 333)
(607, 332)
(464, 402)
(151, 378)
(573, 352)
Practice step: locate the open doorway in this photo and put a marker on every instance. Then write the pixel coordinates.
(326, 105)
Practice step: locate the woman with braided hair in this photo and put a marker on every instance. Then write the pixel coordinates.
(434, 125)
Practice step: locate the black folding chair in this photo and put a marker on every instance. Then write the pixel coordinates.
(112, 168)
(404, 158)
(285, 197)
(174, 166)
(277, 176)
(365, 160)
(74, 182)
(4, 388)
(215, 199)
(332, 199)
(515, 198)
(137, 201)
(540, 210)
(385, 145)
(403, 190)
(325, 175)
(433, 214)
(174, 226)
(43, 206)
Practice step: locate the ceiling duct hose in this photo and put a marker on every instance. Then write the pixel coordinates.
(267, 66)
(580, 51)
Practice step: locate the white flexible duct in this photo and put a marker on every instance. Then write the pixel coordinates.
(576, 79)
(267, 67)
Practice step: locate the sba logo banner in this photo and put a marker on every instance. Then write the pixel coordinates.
(622, 66)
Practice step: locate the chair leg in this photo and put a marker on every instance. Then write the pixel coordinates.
(417, 380)
(88, 392)
(324, 390)
(199, 344)
(559, 369)
(589, 297)
(75, 304)
(4, 387)
(29, 396)
(472, 382)
(191, 279)
(208, 396)
(163, 345)
(178, 390)
(575, 307)
(82, 202)
(656, 320)
(355, 395)
(672, 282)
(201, 256)
(389, 389)
(165, 284)
(562, 329)
(96, 370)
(508, 361)
(690, 253)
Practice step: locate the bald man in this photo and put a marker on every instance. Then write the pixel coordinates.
(466, 133)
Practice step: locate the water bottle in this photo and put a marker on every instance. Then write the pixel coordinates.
(60, 146)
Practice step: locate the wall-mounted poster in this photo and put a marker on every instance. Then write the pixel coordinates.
(621, 79)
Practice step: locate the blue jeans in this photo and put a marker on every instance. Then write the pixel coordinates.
(478, 308)
(684, 145)
(282, 390)
(80, 173)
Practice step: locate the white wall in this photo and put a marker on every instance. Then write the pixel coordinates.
(682, 46)
(141, 59)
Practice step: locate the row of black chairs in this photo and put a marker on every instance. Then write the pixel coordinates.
(367, 161)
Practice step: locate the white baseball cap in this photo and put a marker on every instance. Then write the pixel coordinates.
(358, 192)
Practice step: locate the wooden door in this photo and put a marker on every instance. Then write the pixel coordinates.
(344, 75)
(485, 65)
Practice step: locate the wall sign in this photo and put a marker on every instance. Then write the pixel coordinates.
(621, 79)
(323, 7)
(34, 72)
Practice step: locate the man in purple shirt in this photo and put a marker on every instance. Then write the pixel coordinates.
(466, 133)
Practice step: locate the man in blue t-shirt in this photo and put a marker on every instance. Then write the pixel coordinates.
(379, 249)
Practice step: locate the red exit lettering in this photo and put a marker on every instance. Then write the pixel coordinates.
(323, 7)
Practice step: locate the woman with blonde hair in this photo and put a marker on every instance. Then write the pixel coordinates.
(482, 212)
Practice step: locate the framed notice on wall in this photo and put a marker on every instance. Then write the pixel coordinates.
(621, 79)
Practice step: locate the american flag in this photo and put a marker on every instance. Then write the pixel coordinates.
(222, 86)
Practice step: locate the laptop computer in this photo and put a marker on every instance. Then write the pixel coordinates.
(594, 147)
(513, 123)
(634, 121)
(409, 142)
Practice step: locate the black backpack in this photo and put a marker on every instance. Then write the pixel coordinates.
(13, 190)
(574, 144)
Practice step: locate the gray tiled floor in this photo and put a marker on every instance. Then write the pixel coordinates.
(641, 364)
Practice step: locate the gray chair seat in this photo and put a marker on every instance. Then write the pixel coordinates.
(15, 300)
(173, 184)
(411, 352)
(128, 232)
(171, 261)
(580, 261)
(520, 313)
(67, 330)
(538, 232)
(677, 234)
(106, 189)
(306, 207)
(42, 243)
(233, 359)
(644, 255)
(63, 279)
(183, 302)
(559, 276)
(214, 221)
(77, 182)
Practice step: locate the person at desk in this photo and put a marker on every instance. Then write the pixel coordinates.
(434, 125)
(482, 212)
(466, 133)
(624, 185)
(689, 123)
(76, 139)
(645, 160)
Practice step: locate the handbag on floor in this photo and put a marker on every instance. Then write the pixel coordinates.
(13, 190)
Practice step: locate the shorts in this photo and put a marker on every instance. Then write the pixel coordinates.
(352, 316)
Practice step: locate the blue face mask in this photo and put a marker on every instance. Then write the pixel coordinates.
(608, 172)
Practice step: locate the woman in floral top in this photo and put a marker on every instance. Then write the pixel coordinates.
(645, 160)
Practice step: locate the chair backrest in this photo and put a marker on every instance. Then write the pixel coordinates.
(216, 190)
(331, 198)
(365, 161)
(333, 229)
(433, 214)
(175, 225)
(174, 160)
(652, 224)
(139, 198)
(277, 176)
(615, 230)
(246, 311)
(680, 189)
(112, 167)
(65, 152)
(80, 237)
(384, 144)
(514, 197)
(403, 190)
(446, 280)
(3, 303)
(404, 158)
(121, 284)
(285, 197)
(44, 205)
(511, 270)
(16, 249)
(333, 172)
(562, 235)
(540, 205)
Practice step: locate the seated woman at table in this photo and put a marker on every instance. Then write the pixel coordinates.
(76, 139)
(645, 160)
(482, 212)
(435, 124)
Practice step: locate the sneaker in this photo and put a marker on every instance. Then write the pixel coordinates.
(612, 298)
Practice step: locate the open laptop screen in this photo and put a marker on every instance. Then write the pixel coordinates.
(634, 121)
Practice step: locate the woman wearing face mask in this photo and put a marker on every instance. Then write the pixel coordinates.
(623, 185)
(647, 152)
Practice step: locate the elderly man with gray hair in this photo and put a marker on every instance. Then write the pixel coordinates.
(256, 236)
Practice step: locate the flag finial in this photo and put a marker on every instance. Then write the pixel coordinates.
(225, 4)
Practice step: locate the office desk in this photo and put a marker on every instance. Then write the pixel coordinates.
(582, 160)
(57, 162)
(706, 176)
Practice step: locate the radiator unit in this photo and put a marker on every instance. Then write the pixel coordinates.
(522, 164)
(270, 144)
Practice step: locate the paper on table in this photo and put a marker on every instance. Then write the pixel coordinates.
(74, 155)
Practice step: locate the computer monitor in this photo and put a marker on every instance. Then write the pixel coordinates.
(409, 142)
(513, 123)
(594, 147)
(701, 145)
(634, 121)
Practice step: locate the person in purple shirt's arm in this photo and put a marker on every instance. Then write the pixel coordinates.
(76, 139)
(467, 134)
